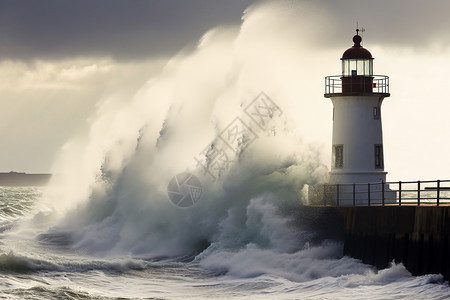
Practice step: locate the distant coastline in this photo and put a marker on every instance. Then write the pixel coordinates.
(23, 179)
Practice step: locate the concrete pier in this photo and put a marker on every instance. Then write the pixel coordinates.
(416, 236)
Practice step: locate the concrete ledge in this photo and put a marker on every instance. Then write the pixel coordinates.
(417, 236)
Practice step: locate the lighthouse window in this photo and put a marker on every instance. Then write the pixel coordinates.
(354, 67)
(378, 156)
(376, 113)
(338, 156)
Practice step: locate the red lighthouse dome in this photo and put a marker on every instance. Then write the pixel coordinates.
(357, 51)
(356, 76)
(357, 68)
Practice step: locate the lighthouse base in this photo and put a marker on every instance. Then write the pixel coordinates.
(365, 194)
(342, 177)
(353, 188)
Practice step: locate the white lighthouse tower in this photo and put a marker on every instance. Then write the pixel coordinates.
(357, 95)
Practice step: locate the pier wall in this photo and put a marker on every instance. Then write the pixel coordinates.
(417, 236)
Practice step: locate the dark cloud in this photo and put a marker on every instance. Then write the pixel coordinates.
(409, 23)
(135, 29)
(126, 29)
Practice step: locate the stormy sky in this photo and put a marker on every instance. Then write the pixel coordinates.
(139, 29)
(60, 59)
(124, 30)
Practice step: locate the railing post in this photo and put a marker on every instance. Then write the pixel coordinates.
(438, 192)
(399, 193)
(354, 202)
(324, 195)
(368, 194)
(382, 192)
(418, 193)
(337, 194)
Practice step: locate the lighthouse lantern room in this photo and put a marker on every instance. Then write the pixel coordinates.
(357, 95)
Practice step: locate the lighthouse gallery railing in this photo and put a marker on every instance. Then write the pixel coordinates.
(417, 193)
(380, 84)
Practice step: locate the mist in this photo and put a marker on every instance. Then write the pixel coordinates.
(111, 193)
(284, 48)
(241, 110)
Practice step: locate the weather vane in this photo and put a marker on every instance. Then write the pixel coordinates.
(358, 30)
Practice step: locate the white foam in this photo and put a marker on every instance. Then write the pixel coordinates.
(111, 198)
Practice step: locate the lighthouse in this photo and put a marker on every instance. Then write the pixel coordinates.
(357, 141)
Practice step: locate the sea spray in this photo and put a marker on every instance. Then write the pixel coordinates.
(135, 216)
(116, 200)
(112, 197)
(243, 238)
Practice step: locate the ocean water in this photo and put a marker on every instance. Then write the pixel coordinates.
(125, 219)
(267, 256)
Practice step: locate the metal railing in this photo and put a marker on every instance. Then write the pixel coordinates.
(399, 193)
(380, 84)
